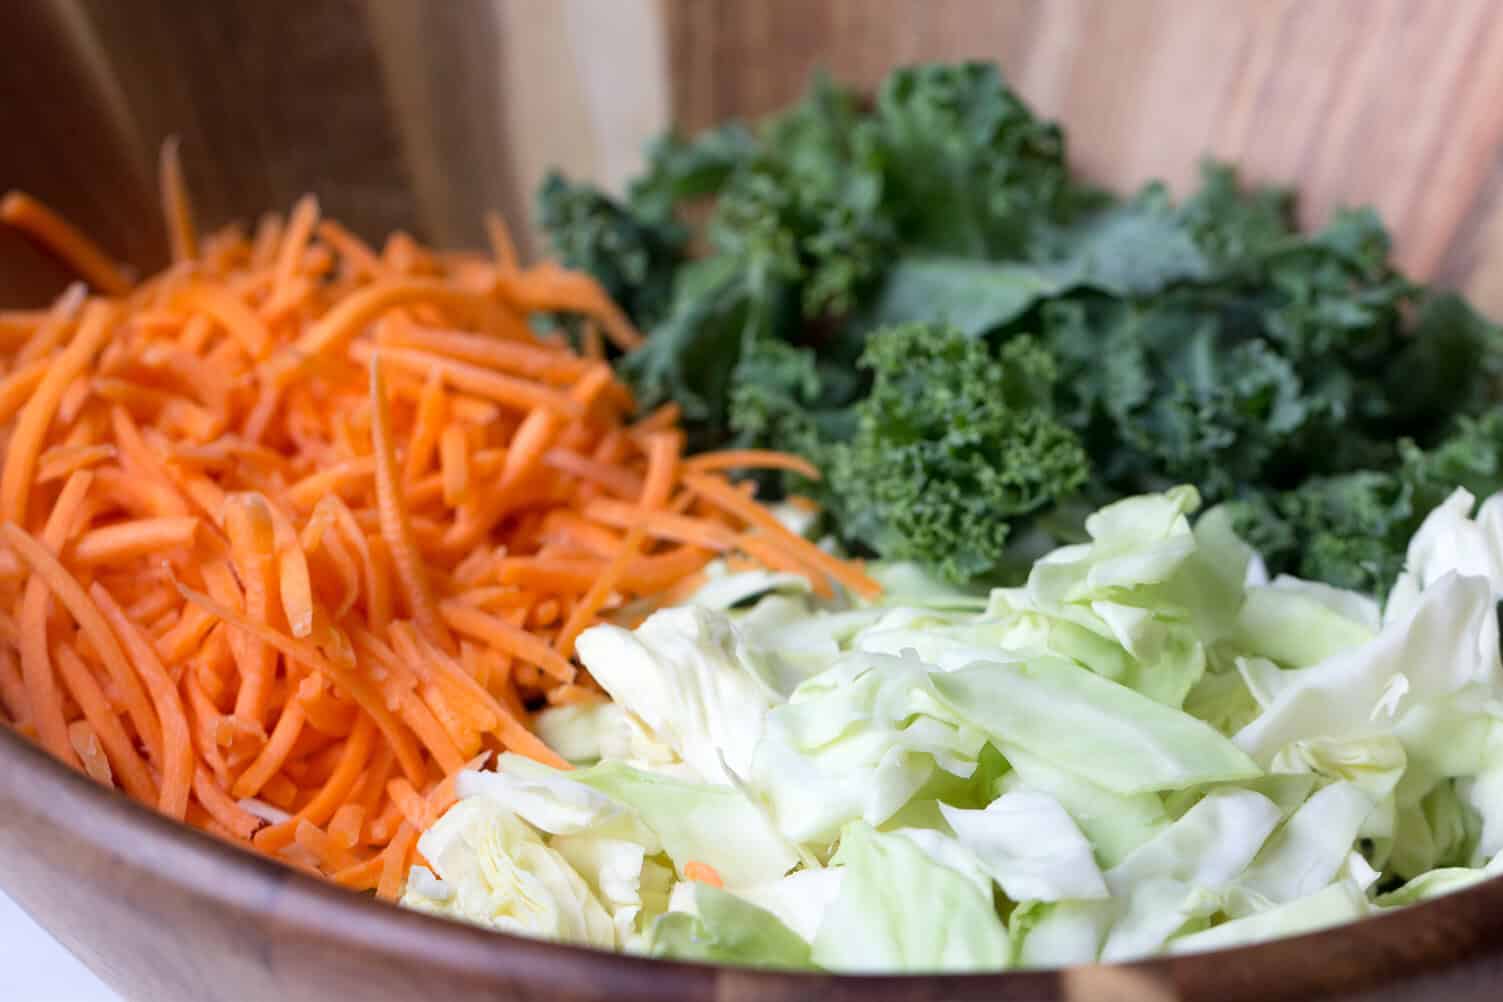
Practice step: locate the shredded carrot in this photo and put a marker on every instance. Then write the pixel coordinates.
(61, 239)
(429, 426)
(128, 540)
(25, 445)
(725, 497)
(177, 745)
(394, 862)
(36, 664)
(395, 527)
(54, 326)
(298, 521)
(702, 873)
(756, 459)
(61, 460)
(502, 245)
(181, 233)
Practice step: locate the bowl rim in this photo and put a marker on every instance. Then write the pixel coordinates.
(1451, 930)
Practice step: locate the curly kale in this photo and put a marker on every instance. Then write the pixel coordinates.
(1015, 327)
(968, 169)
(1351, 530)
(952, 448)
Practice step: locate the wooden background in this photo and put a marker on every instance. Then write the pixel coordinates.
(414, 114)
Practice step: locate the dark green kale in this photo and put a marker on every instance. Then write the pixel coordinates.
(954, 446)
(967, 168)
(1015, 327)
(1352, 529)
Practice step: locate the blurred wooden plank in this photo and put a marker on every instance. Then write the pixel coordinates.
(271, 99)
(1394, 103)
(65, 144)
(442, 65)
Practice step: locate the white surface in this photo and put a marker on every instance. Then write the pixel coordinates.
(37, 968)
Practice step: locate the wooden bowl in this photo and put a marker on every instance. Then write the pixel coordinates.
(163, 912)
(420, 116)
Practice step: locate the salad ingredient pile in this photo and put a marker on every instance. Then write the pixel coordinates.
(1049, 347)
(1148, 746)
(297, 529)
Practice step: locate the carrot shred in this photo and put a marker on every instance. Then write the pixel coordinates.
(702, 873)
(395, 527)
(177, 761)
(25, 445)
(60, 238)
(756, 459)
(394, 862)
(725, 497)
(295, 525)
(118, 748)
(43, 697)
(54, 326)
(181, 233)
(137, 538)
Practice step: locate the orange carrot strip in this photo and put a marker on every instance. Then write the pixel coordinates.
(87, 747)
(429, 426)
(55, 325)
(454, 459)
(756, 459)
(36, 662)
(509, 391)
(339, 479)
(300, 225)
(289, 725)
(236, 820)
(394, 863)
(551, 288)
(702, 873)
(502, 246)
(359, 259)
(237, 319)
(13, 695)
(662, 464)
(515, 357)
(17, 387)
(59, 237)
(127, 540)
(335, 328)
(512, 639)
(61, 461)
(334, 792)
(345, 826)
(177, 744)
(300, 650)
(662, 524)
(722, 495)
(396, 529)
(509, 726)
(253, 545)
(613, 478)
(124, 760)
(773, 552)
(25, 444)
(181, 234)
(294, 583)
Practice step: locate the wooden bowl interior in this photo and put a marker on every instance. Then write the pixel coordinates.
(420, 116)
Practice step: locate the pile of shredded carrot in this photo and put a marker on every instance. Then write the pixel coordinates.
(297, 529)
